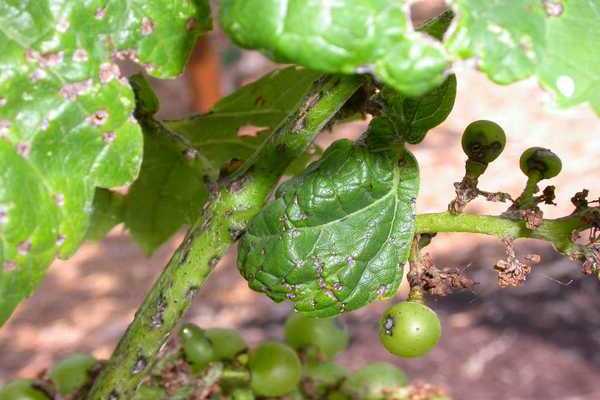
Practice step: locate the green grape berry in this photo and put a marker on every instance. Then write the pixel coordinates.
(22, 389)
(323, 376)
(275, 369)
(537, 160)
(321, 334)
(72, 373)
(197, 348)
(409, 329)
(242, 394)
(146, 392)
(483, 141)
(226, 343)
(374, 382)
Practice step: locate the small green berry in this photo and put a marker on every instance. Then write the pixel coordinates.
(197, 348)
(227, 343)
(540, 160)
(146, 392)
(324, 376)
(374, 382)
(483, 141)
(275, 369)
(322, 334)
(72, 373)
(242, 394)
(21, 389)
(409, 329)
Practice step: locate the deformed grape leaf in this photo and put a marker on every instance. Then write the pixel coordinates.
(65, 117)
(412, 117)
(180, 155)
(336, 237)
(346, 36)
(554, 40)
(237, 124)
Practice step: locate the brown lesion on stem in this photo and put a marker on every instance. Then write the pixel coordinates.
(513, 270)
(528, 210)
(467, 191)
(425, 277)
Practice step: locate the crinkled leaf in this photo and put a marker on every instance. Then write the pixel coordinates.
(65, 117)
(555, 40)
(345, 36)
(412, 117)
(170, 190)
(336, 237)
(237, 124)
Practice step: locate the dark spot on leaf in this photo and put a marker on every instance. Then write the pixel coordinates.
(71, 91)
(191, 24)
(147, 26)
(23, 149)
(554, 8)
(24, 247)
(108, 72)
(114, 395)
(109, 137)
(9, 266)
(4, 127)
(98, 118)
(100, 13)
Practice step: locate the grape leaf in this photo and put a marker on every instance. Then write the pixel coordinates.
(436, 27)
(168, 194)
(65, 117)
(554, 40)
(412, 117)
(179, 155)
(237, 124)
(108, 210)
(346, 36)
(336, 237)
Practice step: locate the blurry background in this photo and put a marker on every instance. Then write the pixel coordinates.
(539, 341)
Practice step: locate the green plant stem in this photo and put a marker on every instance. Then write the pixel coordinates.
(231, 205)
(525, 200)
(556, 231)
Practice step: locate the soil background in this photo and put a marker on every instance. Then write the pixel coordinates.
(537, 342)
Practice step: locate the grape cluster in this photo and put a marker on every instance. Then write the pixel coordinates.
(218, 364)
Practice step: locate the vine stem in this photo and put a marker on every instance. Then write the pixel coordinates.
(231, 205)
(558, 231)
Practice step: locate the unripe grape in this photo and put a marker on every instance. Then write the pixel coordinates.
(374, 381)
(483, 141)
(21, 389)
(72, 373)
(409, 329)
(540, 160)
(226, 343)
(197, 348)
(323, 334)
(275, 369)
